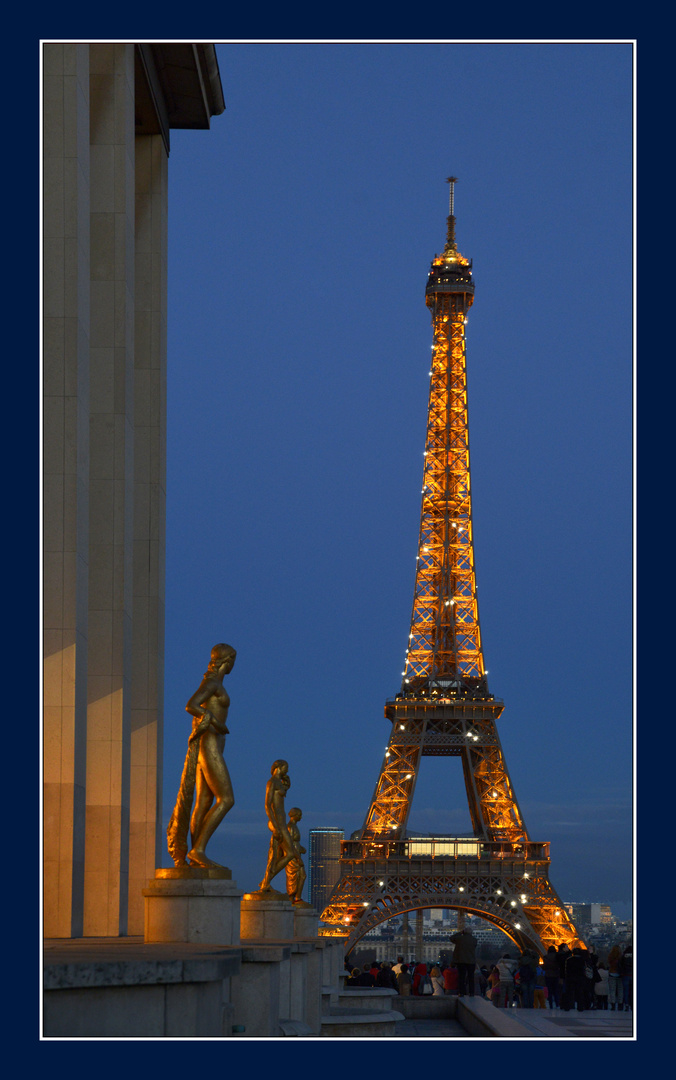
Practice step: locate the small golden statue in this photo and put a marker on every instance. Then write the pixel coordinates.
(295, 868)
(282, 848)
(204, 767)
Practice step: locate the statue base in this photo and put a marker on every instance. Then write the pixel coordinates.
(305, 921)
(266, 894)
(266, 916)
(194, 873)
(200, 907)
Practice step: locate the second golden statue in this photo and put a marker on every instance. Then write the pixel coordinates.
(285, 849)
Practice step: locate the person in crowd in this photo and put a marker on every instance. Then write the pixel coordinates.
(589, 969)
(404, 981)
(627, 974)
(564, 953)
(507, 968)
(527, 971)
(575, 990)
(552, 977)
(419, 972)
(464, 957)
(386, 979)
(540, 988)
(450, 974)
(354, 977)
(437, 981)
(375, 968)
(595, 978)
(518, 988)
(601, 988)
(366, 978)
(494, 985)
(396, 968)
(615, 994)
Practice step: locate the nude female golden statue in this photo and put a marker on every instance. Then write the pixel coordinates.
(204, 769)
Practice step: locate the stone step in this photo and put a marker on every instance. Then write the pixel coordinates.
(373, 999)
(359, 1024)
(296, 1029)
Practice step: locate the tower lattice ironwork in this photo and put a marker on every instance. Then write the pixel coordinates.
(444, 706)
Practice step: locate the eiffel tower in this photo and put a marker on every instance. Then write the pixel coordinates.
(444, 706)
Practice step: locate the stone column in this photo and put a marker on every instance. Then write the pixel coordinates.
(111, 480)
(146, 837)
(66, 480)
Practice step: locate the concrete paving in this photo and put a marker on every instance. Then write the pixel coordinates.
(534, 1024)
(593, 1024)
(430, 1029)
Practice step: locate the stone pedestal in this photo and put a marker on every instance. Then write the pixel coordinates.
(266, 919)
(198, 906)
(260, 995)
(305, 923)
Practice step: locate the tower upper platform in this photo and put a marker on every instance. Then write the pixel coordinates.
(449, 273)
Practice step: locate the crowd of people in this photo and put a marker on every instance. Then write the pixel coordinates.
(563, 979)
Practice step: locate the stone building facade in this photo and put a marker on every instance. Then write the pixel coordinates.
(108, 111)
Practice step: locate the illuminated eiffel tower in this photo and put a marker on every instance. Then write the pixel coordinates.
(444, 706)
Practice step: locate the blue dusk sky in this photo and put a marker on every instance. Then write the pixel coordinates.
(301, 229)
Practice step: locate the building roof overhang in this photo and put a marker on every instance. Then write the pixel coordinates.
(178, 85)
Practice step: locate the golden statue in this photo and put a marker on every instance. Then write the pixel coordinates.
(282, 848)
(204, 768)
(295, 868)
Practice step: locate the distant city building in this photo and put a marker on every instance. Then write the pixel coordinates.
(324, 864)
(387, 941)
(588, 914)
(430, 940)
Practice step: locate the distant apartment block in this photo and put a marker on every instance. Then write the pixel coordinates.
(324, 864)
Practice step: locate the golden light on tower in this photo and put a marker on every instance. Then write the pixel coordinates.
(444, 707)
(445, 638)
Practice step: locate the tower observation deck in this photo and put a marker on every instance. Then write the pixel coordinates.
(444, 707)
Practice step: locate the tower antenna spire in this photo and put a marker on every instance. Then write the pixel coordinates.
(451, 245)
